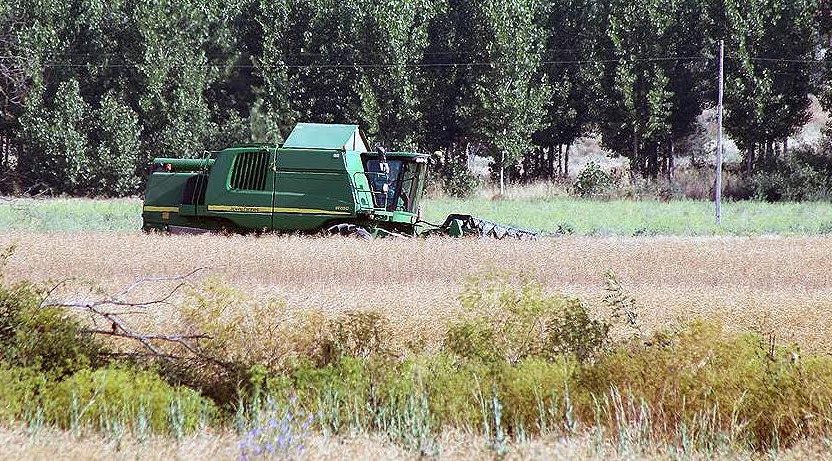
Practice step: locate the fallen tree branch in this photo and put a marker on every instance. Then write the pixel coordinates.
(102, 311)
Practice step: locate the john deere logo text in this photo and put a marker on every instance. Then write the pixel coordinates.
(244, 209)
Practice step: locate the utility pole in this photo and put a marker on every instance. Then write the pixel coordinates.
(719, 144)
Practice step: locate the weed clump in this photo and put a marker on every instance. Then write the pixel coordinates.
(134, 400)
(359, 334)
(745, 385)
(47, 339)
(510, 318)
(247, 332)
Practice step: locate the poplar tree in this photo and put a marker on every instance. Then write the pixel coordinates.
(652, 84)
(326, 83)
(510, 95)
(571, 28)
(393, 41)
(768, 78)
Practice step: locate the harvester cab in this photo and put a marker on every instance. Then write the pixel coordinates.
(395, 180)
(323, 178)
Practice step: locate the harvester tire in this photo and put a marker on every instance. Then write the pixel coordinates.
(349, 230)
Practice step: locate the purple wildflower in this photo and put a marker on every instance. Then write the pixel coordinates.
(276, 431)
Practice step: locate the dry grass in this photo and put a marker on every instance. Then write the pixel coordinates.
(782, 285)
(17, 444)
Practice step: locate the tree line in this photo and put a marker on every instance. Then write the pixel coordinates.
(90, 90)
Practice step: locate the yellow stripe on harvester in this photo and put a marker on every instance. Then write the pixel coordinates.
(309, 211)
(266, 209)
(162, 209)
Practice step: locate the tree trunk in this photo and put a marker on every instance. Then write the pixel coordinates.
(551, 159)
(557, 158)
(566, 161)
(636, 160)
(538, 161)
(653, 161)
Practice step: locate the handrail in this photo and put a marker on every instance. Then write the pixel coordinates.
(371, 193)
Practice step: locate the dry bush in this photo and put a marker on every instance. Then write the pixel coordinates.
(539, 190)
(697, 183)
(264, 331)
(250, 331)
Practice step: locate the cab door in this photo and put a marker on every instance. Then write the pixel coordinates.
(247, 195)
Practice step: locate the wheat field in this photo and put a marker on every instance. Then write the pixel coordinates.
(779, 285)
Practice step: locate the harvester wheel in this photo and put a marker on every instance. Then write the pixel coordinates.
(349, 230)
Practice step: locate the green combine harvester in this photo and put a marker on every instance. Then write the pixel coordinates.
(323, 179)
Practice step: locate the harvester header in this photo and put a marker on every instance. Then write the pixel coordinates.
(323, 178)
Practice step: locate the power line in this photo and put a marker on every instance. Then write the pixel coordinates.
(391, 65)
(463, 53)
(220, 55)
(789, 60)
(388, 65)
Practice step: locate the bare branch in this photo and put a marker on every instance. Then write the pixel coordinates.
(102, 312)
(139, 282)
(181, 340)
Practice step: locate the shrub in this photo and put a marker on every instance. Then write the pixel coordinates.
(252, 331)
(360, 334)
(622, 306)
(457, 389)
(720, 383)
(47, 339)
(455, 177)
(475, 339)
(249, 339)
(105, 399)
(802, 175)
(44, 338)
(19, 389)
(573, 331)
(592, 181)
(696, 382)
(244, 334)
(133, 399)
(535, 394)
(511, 319)
(269, 334)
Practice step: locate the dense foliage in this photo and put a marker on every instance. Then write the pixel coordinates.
(91, 90)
